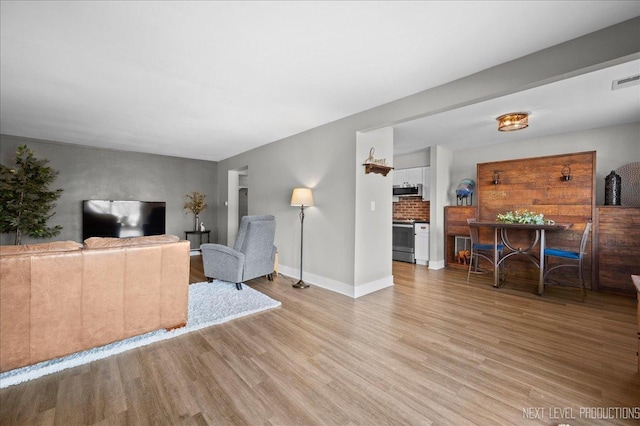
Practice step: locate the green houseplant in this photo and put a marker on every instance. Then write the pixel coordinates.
(195, 204)
(522, 217)
(26, 203)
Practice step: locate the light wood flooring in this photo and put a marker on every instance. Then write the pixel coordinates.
(433, 349)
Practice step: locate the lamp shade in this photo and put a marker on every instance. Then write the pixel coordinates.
(302, 197)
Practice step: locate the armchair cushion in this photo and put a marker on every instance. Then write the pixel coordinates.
(222, 262)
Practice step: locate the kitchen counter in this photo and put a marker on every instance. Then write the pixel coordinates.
(410, 221)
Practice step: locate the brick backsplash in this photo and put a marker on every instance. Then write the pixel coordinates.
(411, 208)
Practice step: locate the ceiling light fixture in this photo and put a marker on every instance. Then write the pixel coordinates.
(513, 121)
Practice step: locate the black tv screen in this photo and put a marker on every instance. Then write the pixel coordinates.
(122, 219)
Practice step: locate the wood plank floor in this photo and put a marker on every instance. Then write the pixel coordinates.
(433, 349)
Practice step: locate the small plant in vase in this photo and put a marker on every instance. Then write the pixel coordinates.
(195, 204)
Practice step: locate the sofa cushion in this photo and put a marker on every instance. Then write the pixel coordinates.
(107, 242)
(40, 248)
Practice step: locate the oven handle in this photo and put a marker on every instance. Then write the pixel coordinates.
(402, 225)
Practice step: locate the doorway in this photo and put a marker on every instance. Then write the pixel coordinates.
(243, 203)
(238, 201)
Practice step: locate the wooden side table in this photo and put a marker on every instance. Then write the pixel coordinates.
(199, 234)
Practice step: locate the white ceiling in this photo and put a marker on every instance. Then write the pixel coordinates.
(578, 103)
(210, 80)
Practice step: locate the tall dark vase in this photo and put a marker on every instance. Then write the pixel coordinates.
(612, 188)
(196, 222)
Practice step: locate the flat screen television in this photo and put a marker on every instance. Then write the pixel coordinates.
(122, 219)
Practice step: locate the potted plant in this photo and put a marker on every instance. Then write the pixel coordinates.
(523, 217)
(195, 204)
(25, 199)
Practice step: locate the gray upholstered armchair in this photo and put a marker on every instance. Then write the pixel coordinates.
(253, 254)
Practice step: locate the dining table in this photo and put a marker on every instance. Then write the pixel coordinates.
(501, 236)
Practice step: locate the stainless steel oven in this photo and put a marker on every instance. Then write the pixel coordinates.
(403, 242)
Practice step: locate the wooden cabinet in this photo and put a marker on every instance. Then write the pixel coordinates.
(636, 283)
(455, 225)
(616, 236)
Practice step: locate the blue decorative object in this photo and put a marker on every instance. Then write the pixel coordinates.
(465, 192)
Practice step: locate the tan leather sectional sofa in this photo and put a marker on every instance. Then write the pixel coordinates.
(63, 297)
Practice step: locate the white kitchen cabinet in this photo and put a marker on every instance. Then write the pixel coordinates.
(421, 248)
(400, 177)
(426, 181)
(411, 176)
(414, 176)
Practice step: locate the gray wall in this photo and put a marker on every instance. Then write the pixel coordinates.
(90, 173)
(415, 159)
(374, 214)
(615, 146)
(323, 158)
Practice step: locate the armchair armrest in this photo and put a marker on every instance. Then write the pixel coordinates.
(222, 262)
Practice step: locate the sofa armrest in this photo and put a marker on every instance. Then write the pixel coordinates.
(222, 262)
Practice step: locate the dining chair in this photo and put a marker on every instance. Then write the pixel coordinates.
(481, 250)
(569, 259)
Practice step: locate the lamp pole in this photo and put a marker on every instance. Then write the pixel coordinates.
(301, 197)
(300, 283)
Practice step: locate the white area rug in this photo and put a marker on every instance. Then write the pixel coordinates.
(209, 304)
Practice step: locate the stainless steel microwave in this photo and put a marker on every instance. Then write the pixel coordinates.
(408, 190)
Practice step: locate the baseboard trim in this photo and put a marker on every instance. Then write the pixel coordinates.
(372, 286)
(436, 264)
(337, 286)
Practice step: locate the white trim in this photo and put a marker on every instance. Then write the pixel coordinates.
(337, 286)
(436, 264)
(317, 280)
(372, 286)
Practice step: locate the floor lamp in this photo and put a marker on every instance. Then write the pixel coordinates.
(304, 198)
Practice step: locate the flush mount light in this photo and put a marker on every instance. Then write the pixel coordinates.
(513, 121)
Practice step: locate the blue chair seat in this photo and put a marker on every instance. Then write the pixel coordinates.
(562, 253)
(576, 258)
(482, 251)
(487, 246)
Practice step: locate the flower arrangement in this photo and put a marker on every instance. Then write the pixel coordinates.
(195, 204)
(523, 217)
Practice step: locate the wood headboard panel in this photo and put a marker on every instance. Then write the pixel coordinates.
(536, 184)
